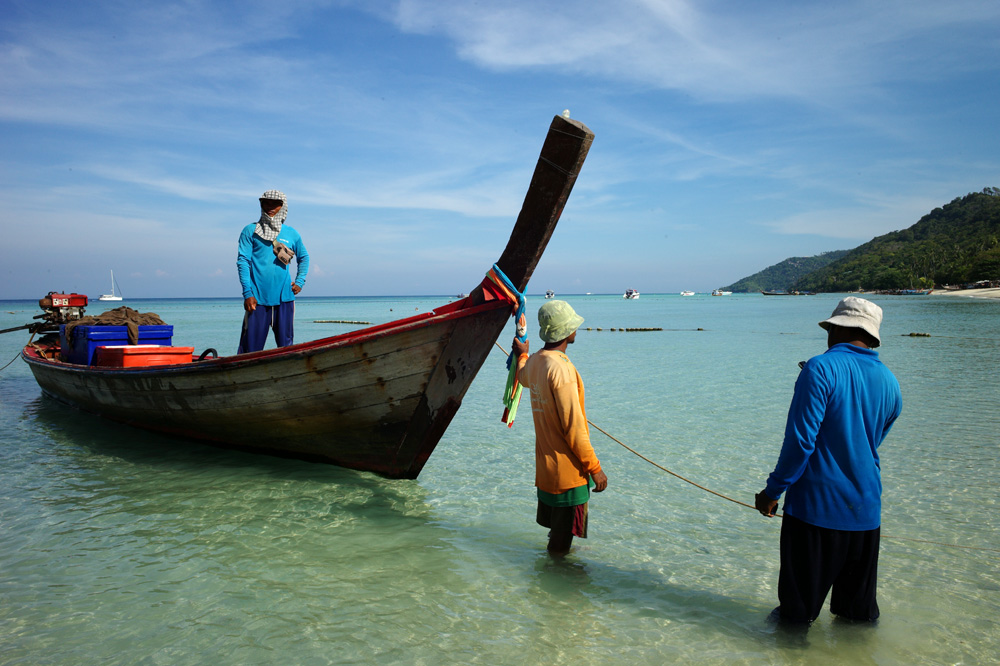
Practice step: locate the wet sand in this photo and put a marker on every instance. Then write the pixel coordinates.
(968, 293)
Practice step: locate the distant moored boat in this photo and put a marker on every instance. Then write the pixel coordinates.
(112, 296)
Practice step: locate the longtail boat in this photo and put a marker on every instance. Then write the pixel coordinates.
(377, 399)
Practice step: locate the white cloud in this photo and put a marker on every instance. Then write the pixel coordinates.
(859, 223)
(716, 50)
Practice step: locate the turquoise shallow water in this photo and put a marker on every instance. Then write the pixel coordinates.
(124, 547)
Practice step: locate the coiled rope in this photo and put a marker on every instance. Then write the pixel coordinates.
(751, 506)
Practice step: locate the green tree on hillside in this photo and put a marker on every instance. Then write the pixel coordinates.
(955, 244)
(783, 275)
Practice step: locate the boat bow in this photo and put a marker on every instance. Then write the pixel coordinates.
(378, 399)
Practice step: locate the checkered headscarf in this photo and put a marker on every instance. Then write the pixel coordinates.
(269, 227)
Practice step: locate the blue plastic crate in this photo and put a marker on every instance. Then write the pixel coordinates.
(86, 339)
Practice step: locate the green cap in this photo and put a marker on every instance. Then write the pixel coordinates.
(557, 321)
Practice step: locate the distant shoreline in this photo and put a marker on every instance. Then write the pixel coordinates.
(992, 292)
(989, 292)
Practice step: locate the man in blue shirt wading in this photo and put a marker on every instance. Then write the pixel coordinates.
(844, 404)
(266, 247)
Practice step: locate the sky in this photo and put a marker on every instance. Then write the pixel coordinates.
(729, 136)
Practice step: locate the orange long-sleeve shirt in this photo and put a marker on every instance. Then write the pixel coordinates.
(564, 457)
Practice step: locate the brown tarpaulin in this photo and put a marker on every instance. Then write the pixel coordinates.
(123, 316)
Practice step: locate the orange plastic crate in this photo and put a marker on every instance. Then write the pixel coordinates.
(137, 356)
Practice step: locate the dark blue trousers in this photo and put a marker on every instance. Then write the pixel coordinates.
(256, 324)
(816, 559)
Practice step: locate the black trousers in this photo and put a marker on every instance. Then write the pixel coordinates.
(816, 559)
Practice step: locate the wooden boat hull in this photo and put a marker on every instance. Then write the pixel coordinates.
(378, 399)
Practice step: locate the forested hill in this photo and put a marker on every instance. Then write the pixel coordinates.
(956, 244)
(782, 276)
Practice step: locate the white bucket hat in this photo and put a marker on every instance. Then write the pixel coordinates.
(557, 320)
(853, 312)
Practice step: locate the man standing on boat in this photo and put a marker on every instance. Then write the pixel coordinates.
(266, 247)
(564, 458)
(844, 404)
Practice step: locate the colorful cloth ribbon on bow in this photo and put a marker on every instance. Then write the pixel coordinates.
(512, 392)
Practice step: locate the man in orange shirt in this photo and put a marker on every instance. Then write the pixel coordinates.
(564, 458)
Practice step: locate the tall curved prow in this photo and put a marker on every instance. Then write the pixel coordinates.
(565, 148)
(563, 153)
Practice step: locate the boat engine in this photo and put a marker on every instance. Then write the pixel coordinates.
(57, 309)
(60, 309)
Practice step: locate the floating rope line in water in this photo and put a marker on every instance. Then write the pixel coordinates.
(778, 515)
(750, 506)
(32, 337)
(11, 361)
(657, 465)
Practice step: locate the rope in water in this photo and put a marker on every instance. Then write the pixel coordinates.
(32, 337)
(675, 474)
(11, 361)
(751, 506)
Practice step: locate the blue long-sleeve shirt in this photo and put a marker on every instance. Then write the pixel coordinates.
(844, 404)
(261, 274)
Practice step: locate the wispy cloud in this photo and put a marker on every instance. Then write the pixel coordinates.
(859, 223)
(719, 51)
(407, 130)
